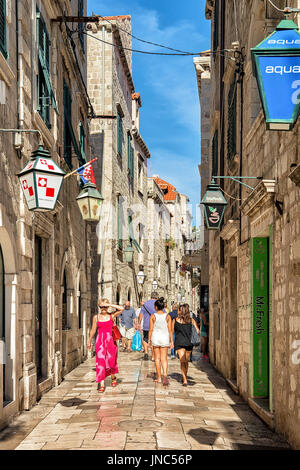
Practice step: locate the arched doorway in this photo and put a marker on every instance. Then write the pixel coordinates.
(64, 302)
(9, 347)
(2, 322)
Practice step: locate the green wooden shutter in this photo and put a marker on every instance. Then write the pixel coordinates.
(69, 136)
(45, 92)
(131, 235)
(216, 27)
(120, 223)
(119, 134)
(130, 156)
(3, 28)
(132, 161)
(82, 140)
(232, 121)
(80, 25)
(215, 155)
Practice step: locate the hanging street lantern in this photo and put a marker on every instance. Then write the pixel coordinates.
(154, 285)
(41, 181)
(140, 277)
(128, 254)
(90, 202)
(276, 65)
(214, 204)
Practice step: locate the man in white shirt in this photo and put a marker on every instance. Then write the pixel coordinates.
(138, 310)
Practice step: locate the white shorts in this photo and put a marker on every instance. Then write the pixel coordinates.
(128, 333)
(160, 340)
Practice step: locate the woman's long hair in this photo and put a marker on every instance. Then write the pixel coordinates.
(184, 313)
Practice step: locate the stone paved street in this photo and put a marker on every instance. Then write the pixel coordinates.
(139, 414)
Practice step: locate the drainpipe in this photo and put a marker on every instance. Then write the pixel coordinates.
(102, 163)
(241, 80)
(18, 72)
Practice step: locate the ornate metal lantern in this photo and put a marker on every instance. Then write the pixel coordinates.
(41, 181)
(140, 277)
(128, 254)
(214, 204)
(276, 65)
(90, 202)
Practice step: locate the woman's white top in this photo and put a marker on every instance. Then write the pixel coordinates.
(160, 335)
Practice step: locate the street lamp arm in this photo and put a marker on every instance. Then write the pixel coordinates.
(238, 178)
(17, 131)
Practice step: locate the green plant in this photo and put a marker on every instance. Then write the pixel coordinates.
(170, 243)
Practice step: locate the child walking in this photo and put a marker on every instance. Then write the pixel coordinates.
(161, 339)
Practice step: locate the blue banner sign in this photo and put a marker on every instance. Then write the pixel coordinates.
(280, 78)
(276, 64)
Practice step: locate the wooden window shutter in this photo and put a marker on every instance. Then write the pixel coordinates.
(46, 96)
(3, 28)
(81, 25)
(216, 27)
(120, 223)
(119, 134)
(232, 121)
(215, 155)
(82, 140)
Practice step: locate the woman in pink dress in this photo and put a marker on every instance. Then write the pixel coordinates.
(106, 348)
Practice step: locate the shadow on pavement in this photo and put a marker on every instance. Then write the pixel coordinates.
(72, 402)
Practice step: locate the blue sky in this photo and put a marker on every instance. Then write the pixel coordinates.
(170, 113)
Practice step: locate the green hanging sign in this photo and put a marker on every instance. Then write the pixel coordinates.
(259, 317)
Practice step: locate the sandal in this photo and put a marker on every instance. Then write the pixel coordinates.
(114, 382)
(165, 380)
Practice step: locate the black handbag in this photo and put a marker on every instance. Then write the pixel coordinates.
(195, 339)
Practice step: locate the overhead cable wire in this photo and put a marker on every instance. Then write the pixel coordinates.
(202, 54)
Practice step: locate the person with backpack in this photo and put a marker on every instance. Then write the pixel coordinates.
(161, 339)
(147, 310)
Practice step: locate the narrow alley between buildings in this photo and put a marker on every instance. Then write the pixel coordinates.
(139, 414)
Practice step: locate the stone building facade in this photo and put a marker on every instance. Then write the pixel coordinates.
(254, 260)
(178, 234)
(44, 257)
(121, 170)
(202, 68)
(159, 227)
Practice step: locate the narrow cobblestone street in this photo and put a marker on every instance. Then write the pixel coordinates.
(139, 414)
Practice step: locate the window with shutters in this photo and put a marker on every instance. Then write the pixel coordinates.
(216, 27)
(81, 25)
(44, 88)
(3, 28)
(232, 120)
(82, 140)
(140, 176)
(132, 239)
(215, 155)
(119, 134)
(130, 156)
(120, 223)
(69, 136)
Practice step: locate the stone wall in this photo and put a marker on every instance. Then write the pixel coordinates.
(271, 211)
(65, 237)
(112, 92)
